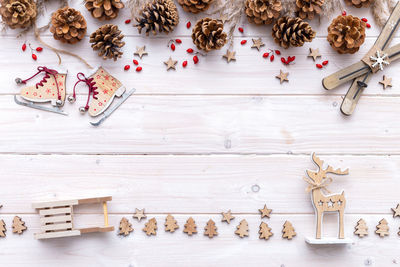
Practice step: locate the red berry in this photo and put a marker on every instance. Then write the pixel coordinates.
(344, 13)
(195, 59)
(265, 55)
(135, 62)
(34, 57)
(293, 58)
(127, 21)
(272, 58)
(243, 42)
(364, 19)
(127, 67)
(184, 63)
(178, 41)
(325, 62)
(138, 69)
(368, 25)
(39, 49)
(284, 60)
(319, 66)
(24, 47)
(173, 47)
(241, 29)
(190, 50)
(188, 24)
(277, 52)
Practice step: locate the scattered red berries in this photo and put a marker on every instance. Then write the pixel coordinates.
(24, 47)
(184, 63)
(39, 49)
(364, 19)
(319, 66)
(344, 13)
(325, 62)
(34, 57)
(190, 50)
(127, 67)
(243, 42)
(288, 60)
(241, 29)
(127, 21)
(178, 41)
(284, 61)
(272, 58)
(266, 55)
(139, 69)
(195, 59)
(135, 62)
(368, 25)
(188, 24)
(173, 47)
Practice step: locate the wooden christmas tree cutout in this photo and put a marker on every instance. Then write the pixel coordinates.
(210, 229)
(227, 217)
(242, 229)
(265, 231)
(361, 228)
(170, 224)
(18, 225)
(125, 227)
(265, 212)
(396, 211)
(288, 230)
(190, 227)
(2, 228)
(382, 229)
(139, 214)
(151, 227)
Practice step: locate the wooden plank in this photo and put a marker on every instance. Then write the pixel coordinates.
(55, 219)
(57, 226)
(55, 211)
(54, 204)
(96, 229)
(94, 200)
(57, 234)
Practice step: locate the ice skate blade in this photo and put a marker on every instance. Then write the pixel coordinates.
(111, 109)
(328, 241)
(32, 105)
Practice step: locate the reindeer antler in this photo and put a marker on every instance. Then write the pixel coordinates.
(317, 161)
(337, 171)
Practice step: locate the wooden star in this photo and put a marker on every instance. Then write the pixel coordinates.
(140, 51)
(265, 212)
(227, 217)
(257, 43)
(230, 55)
(386, 82)
(396, 211)
(171, 64)
(139, 214)
(283, 76)
(314, 53)
(224, 18)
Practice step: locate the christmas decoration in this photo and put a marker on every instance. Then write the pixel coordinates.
(54, 225)
(2, 228)
(50, 89)
(292, 32)
(230, 55)
(104, 9)
(265, 231)
(140, 51)
(382, 229)
(359, 3)
(170, 224)
(68, 25)
(190, 227)
(195, 6)
(361, 228)
(242, 229)
(139, 214)
(346, 34)
(108, 41)
(288, 230)
(170, 63)
(282, 76)
(210, 229)
(151, 227)
(18, 225)
(227, 217)
(307, 9)
(262, 11)
(18, 13)
(265, 212)
(125, 227)
(208, 34)
(386, 82)
(314, 53)
(158, 16)
(379, 60)
(257, 43)
(396, 211)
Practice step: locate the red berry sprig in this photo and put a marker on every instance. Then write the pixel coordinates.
(23, 47)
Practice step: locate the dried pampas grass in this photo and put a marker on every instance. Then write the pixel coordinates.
(381, 10)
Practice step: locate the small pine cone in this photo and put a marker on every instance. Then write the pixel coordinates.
(18, 13)
(158, 16)
(195, 6)
(262, 11)
(208, 34)
(108, 40)
(359, 3)
(104, 9)
(307, 9)
(292, 32)
(346, 34)
(68, 25)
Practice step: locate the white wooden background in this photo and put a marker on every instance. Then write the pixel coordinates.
(194, 142)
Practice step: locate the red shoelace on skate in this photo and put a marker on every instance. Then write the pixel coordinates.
(90, 83)
(47, 72)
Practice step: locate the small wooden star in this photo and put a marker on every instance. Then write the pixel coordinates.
(171, 64)
(227, 217)
(386, 82)
(230, 55)
(257, 43)
(396, 211)
(139, 214)
(314, 53)
(140, 51)
(283, 76)
(223, 18)
(265, 212)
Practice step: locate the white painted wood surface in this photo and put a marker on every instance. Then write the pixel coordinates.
(196, 142)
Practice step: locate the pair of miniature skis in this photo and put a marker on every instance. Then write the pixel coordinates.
(102, 89)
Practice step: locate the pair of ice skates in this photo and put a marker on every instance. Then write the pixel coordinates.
(103, 88)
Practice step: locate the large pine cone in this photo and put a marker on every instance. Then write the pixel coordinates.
(308, 8)
(359, 3)
(346, 34)
(68, 25)
(104, 9)
(262, 11)
(208, 34)
(158, 16)
(108, 40)
(195, 6)
(292, 32)
(18, 13)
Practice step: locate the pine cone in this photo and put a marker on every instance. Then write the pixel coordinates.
(108, 40)
(18, 13)
(195, 6)
(262, 11)
(208, 34)
(68, 25)
(292, 32)
(308, 8)
(158, 16)
(104, 9)
(346, 34)
(359, 3)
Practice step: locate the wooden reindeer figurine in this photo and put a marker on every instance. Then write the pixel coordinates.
(318, 181)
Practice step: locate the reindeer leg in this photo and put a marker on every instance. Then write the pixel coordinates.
(341, 224)
(319, 219)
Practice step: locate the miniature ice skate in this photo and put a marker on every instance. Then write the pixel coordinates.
(103, 88)
(50, 89)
